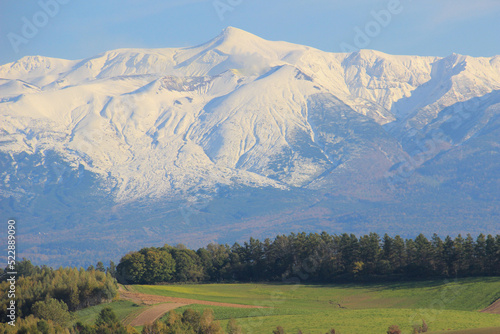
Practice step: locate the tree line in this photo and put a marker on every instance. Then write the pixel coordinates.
(106, 323)
(51, 294)
(316, 258)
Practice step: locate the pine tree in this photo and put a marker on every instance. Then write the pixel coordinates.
(100, 267)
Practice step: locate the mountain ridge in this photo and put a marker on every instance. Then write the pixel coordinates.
(366, 87)
(239, 112)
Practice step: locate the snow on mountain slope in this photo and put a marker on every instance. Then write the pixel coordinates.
(237, 110)
(385, 79)
(453, 79)
(13, 88)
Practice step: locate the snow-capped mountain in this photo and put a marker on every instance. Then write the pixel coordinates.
(237, 111)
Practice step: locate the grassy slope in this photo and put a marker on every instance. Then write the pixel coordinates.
(122, 308)
(491, 330)
(369, 308)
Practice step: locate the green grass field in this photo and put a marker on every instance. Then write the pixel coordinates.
(123, 309)
(491, 330)
(364, 308)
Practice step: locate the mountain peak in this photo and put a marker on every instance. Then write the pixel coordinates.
(232, 32)
(231, 36)
(369, 54)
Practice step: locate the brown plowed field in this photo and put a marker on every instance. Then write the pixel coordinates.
(164, 304)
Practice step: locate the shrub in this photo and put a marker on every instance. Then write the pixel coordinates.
(420, 329)
(233, 327)
(394, 329)
(279, 330)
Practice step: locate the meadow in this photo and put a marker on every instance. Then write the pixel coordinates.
(123, 309)
(445, 305)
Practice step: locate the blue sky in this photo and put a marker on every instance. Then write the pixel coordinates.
(79, 29)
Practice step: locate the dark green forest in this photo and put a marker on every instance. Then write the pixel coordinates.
(45, 297)
(316, 258)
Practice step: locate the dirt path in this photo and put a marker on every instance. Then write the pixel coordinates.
(493, 308)
(153, 313)
(163, 304)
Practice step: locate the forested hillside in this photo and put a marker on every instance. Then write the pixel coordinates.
(50, 294)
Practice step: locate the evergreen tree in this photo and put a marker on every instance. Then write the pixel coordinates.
(369, 249)
(450, 256)
(423, 256)
(100, 267)
(468, 255)
(111, 269)
(438, 264)
(480, 254)
(490, 255)
(400, 261)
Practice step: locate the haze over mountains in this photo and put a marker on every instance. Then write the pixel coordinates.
(241, 136)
